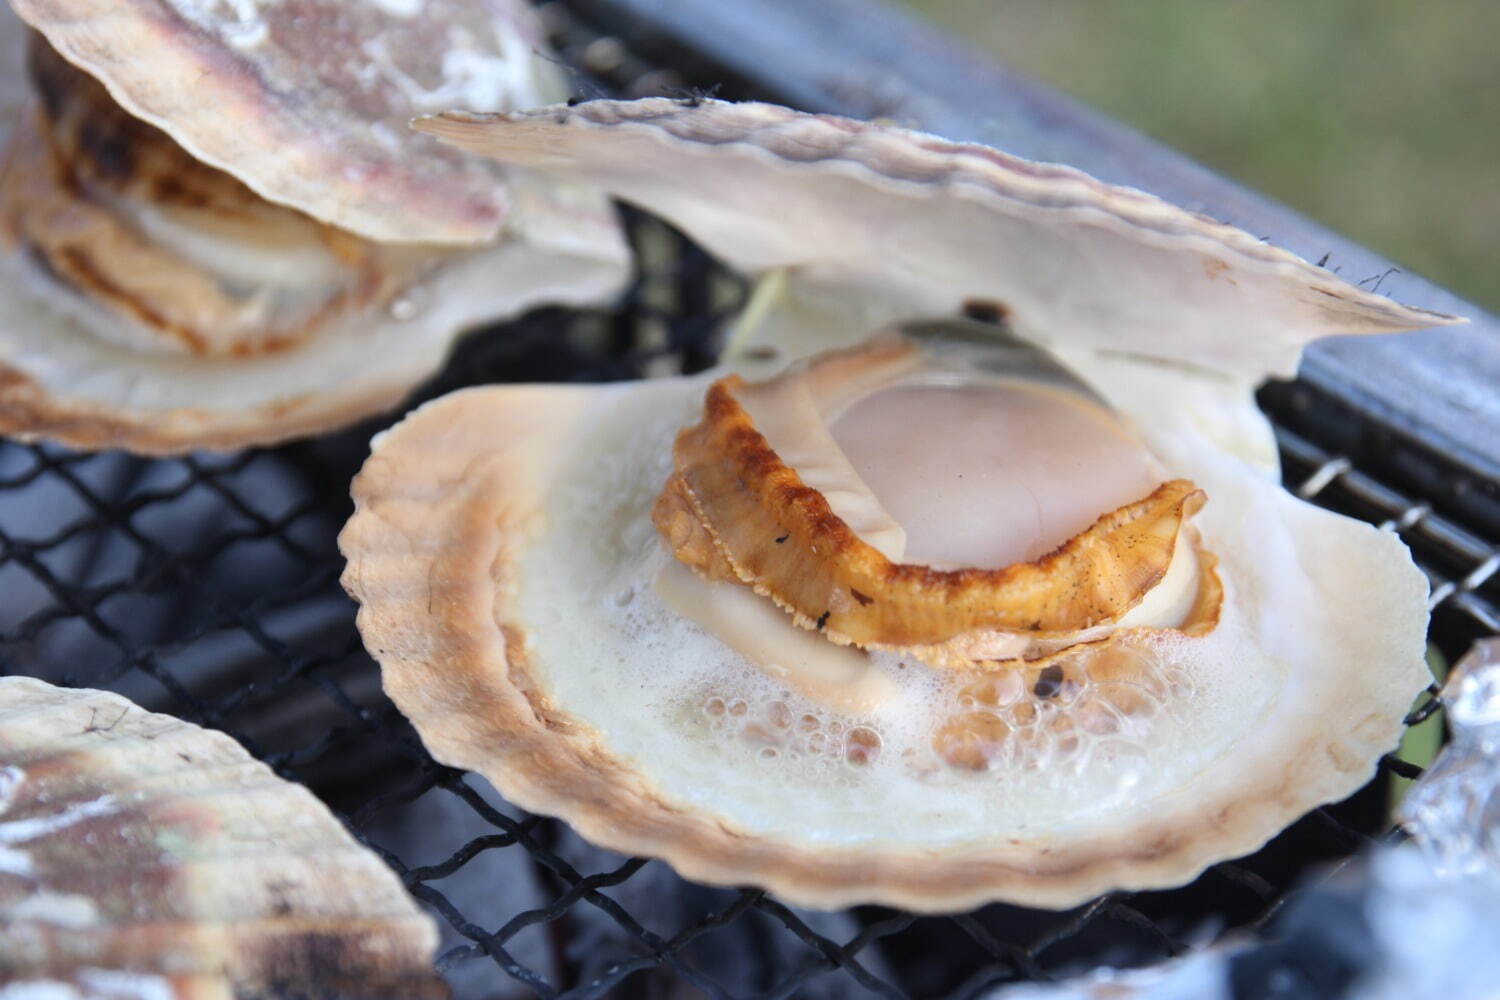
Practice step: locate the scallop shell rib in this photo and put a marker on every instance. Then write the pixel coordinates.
(307, 101)
(451, 498)
(139, 848)
(1070, 259)
(732, 495)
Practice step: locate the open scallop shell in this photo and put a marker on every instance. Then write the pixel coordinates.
(141, 853)
(154, 302)
(529, 618)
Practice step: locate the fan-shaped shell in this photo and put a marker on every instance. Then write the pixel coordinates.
(503, 558)
(527, 620)
(151, 302)
(307, 101)
(139, 852)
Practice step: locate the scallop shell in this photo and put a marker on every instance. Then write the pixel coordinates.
(926, 225)
(307, 101)
(519, 598)
(152, 302)
(141, 853)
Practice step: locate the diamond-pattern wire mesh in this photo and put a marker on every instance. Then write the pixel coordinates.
(207, 587)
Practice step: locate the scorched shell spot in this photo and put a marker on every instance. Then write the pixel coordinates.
(159, 303)
(143, 856)
(1091, 710)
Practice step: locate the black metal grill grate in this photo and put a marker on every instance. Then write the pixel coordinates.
(207, 587)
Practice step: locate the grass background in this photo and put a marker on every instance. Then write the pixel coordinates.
(1379, 118)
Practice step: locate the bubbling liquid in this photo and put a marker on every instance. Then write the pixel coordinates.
(774, 730)
(1086, 717)
(1098, 702)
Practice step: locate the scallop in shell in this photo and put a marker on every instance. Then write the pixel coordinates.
(1062, 533)
(945, 615)
(212, 265)
(143, 856)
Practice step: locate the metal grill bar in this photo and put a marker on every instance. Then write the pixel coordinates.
(1414, 520)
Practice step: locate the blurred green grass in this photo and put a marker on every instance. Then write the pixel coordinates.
(1380, 118)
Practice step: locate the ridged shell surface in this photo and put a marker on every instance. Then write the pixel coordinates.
(141, 855)
(307, 101)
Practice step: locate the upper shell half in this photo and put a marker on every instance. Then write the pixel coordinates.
(213, 265)
(925, 225)
(946, 614)
(307, 101)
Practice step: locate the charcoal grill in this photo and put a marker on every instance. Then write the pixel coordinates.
(207, 586)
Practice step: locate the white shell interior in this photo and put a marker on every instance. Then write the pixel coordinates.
(1285, 705)
(51, 336)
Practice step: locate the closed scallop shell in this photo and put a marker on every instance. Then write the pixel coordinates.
(141, 855)
(520, 600)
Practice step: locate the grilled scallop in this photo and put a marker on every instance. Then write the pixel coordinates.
(216, 228)
(929, 612)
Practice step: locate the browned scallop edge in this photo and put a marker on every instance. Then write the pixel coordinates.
(29, 412)
(746, 495)
(442, 508)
